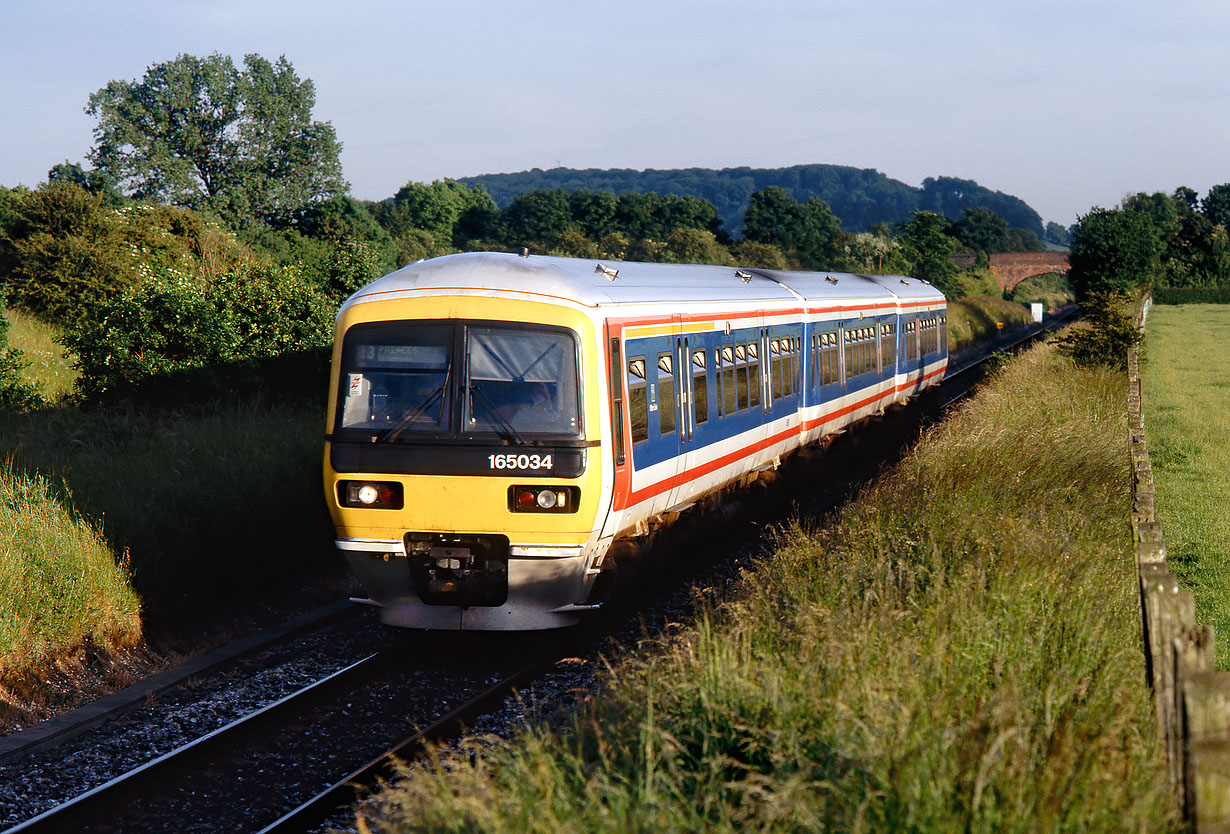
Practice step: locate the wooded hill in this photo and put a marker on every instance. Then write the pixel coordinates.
(860, 197)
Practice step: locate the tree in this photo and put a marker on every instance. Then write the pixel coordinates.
(95, 182)
(199, 133)
(1216, 205)
(928, 249)
(809, 229)
(1057, 234)
(982, 230)
(1113, 251)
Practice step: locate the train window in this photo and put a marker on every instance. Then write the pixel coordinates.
(520, 381)
(638, 402)
(776, 371)
(617, 403)
(700, 388)
(888, 344)
(741, 369)
(666, 395)
(396, 378)
(730, 399)
(753, 375)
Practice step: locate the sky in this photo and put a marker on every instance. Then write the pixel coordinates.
(1066, 105)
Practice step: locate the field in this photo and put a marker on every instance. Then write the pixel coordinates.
(957, 651)
(1186, 402)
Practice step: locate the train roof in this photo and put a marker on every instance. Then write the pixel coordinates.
(600, 283)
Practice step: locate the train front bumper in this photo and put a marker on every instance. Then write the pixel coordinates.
(546, 587)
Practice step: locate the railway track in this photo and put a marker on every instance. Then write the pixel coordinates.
(317, 749)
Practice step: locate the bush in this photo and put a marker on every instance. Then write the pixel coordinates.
(1191, 295)
(172, 324)
(1105, 334)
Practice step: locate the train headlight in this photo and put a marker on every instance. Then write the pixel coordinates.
(376, 495)
(543, 499)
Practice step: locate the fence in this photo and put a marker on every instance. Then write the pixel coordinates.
(1192, 700)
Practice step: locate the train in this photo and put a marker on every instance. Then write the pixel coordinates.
(500, 424)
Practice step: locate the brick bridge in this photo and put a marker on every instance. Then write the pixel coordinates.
(1011, 268)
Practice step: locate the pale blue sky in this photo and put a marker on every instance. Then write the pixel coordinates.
(1066, 105)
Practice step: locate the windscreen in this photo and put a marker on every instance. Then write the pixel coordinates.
(402, 379)
(520, 380)
(396, 377)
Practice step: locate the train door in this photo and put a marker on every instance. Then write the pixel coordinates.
(692, 379)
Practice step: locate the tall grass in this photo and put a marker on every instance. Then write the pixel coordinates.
(1187, 422)
(957, 652)
(50, 370)
(972, 320)
(214, 503)
(60, 583)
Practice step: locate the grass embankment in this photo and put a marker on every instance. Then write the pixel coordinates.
(957, 652)
(49, 370)
(121, 521)
(1187, 423)
(972, 320)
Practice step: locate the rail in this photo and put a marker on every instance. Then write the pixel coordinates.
(1191, 698)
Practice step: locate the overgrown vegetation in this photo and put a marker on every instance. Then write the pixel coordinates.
(1187, 423)
(958, 651)
(1107, 330)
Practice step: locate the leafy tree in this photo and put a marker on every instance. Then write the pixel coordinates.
(1113, 250)
(1216, 205)
(1106, 332)
(200, 133)
(982, 230)
(695, 246)
(928, 249)
(445, 208)
(94, 182)
(1023, 240)
(539, 217)
(809, 229)
(1057, 234)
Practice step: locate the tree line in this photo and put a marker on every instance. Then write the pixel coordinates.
(862, 197)
(212, 224)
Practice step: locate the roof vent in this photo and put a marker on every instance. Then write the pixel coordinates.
(831, 279)
(525, 253)
(608, 271)
(904, 281)
(746, 276)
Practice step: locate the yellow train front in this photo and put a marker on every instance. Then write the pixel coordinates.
(462, 463)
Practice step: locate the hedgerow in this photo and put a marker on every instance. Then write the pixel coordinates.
(171, 323)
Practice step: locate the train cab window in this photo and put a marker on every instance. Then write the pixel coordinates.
(700, 388)
(396, 378)
(520, 381)
(638, 400)
(666, 395)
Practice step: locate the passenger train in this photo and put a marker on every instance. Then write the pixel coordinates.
(497, 423)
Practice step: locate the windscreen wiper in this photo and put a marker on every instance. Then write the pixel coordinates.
(393, 432)
(508, 433)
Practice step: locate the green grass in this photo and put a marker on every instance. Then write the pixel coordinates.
(957, 652)
(979, 318)
(60, 582)
(50, 370)
(1186, 401)
(213, 504)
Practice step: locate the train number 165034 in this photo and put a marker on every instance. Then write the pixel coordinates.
(520, 462)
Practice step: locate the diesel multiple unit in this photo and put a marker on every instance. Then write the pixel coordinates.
(498, 423)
